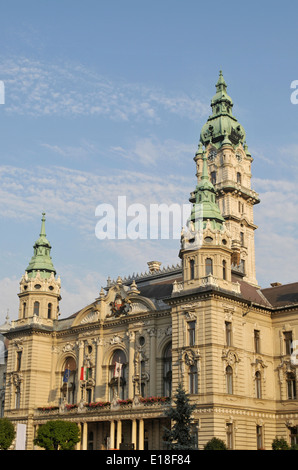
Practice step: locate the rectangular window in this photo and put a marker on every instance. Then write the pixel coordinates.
(19, 360)
(229, 431)
(259, 437)
(294, 436)
(291, 385)
(192, 268)
(191, 333)
(242, 266)
(257, 341)
(288, 342)
(193, 379)
(228, 327)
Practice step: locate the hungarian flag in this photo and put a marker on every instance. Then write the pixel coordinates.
(66, 375)
(84, 373)
(117, 370)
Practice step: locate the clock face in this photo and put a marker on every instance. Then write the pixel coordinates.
(239, 157)
(212, 155)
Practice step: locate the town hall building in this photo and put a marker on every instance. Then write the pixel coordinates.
(114, 366)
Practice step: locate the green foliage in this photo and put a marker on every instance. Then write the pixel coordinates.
(7, 433)
(280, 444)
(215, 444)
(58, 435)
(179, 436)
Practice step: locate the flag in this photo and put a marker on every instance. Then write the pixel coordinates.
(84, 373)
(117, 370)
(66, 375)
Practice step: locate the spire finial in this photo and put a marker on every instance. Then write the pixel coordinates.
(43, 225)
(221, 84)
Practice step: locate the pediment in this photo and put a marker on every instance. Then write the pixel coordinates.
(128, 305)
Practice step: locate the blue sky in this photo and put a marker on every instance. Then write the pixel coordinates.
(107, 98)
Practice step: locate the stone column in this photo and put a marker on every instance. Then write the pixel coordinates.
(85, 435)
(112, 434)
(119, 433)
(134, 433)
(141, 434)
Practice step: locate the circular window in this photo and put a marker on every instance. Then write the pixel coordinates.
(141, 340)
(37, 286)
(51, 288)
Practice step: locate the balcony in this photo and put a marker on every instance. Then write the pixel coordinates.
(103, 407)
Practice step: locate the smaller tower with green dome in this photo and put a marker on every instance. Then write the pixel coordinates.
(41, 260)
(206, 243)
(39, 288)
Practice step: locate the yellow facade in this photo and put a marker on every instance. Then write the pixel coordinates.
(205, 323)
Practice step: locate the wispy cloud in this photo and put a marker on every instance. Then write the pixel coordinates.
(150, 151)
(71, 196)
(37, 88)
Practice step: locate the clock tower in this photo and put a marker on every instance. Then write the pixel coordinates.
(222, 141)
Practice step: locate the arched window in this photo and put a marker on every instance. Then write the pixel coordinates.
(36, 309)
(239, 177)
(24, 309)
(69, 376)
(49, 310)
(229, 380)
(117, 375)
(208, 266)
(258, 385)
(167, 370)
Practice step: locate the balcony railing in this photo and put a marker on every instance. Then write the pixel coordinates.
(104, 406)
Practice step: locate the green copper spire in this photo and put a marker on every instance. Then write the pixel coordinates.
(222, 125)
(205, 206)
(41, 259)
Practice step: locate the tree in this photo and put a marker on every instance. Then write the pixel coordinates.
(215, 444)
(280, 444)
(58, 435)
(179, 436)
(7, 433)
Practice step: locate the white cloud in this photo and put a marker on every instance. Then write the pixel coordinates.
(150, 151)
(24, 193)
(38, 88)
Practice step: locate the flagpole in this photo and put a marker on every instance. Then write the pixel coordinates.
(119, 380)
(67, 385)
